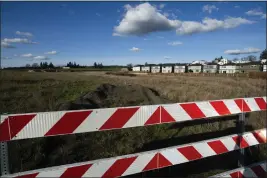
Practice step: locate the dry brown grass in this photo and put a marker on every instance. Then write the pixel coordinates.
(34, 92)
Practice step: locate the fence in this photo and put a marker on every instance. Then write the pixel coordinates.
(44, 124)
(254, 170)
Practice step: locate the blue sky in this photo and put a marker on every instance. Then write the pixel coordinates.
(130, 32)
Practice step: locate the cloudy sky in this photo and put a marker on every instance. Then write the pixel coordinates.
(130, 32)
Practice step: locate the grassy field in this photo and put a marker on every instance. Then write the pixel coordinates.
(23, 92)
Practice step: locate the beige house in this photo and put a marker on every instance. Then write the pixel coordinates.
(250, 67)
(167, 69)
(210, 68)
(145, 68)
(195, 68)
(136, 68)
(229, 69)
(180, 68)
(155, 69)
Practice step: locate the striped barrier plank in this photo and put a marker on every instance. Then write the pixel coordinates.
(257, 170)
(43, 124)
(150, 160)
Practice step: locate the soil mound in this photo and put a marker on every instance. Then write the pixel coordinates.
(108, 95)
(66, 149)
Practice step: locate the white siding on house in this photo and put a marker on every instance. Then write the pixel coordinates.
(210, 68)
(229, 69)
(137, 68)
(264, 68)
(155, 69)
(179, 69)
(166, 69)
(145, 69)
(195, 69)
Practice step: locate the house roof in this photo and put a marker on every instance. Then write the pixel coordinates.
(181, 64)
(211, 63)
(195, 65)
(249, 63)
(229, 64)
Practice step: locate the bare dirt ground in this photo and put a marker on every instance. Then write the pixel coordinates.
(37, 92)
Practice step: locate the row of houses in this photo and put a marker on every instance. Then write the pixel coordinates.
(198, 68)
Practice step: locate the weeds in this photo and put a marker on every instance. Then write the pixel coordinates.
(24, 92)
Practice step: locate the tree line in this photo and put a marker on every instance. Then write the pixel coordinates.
(42, 65)
(46, 65)
(98, 65)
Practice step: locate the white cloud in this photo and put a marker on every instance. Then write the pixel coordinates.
(161, 37)
(161, 6)
(256, 12)
(209, 25)
(167, 57)
(18, 40)
(15, 55)
(237, 6)
(98, 14)
(41, 58)
(244, 51)
(134, 49)
(175, 43)
(28, 34)
(6, 45)
(118, 10)
(209, 8)
(145, 18)
(27, 55)
(51, 52)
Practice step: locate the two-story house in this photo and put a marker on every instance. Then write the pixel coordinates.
(180, 68)
(137, 68)
(195, 68)
(210, 68)
(229, 68)
(250, 67)
(155, 69)
(167, 68)
(145, 68)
